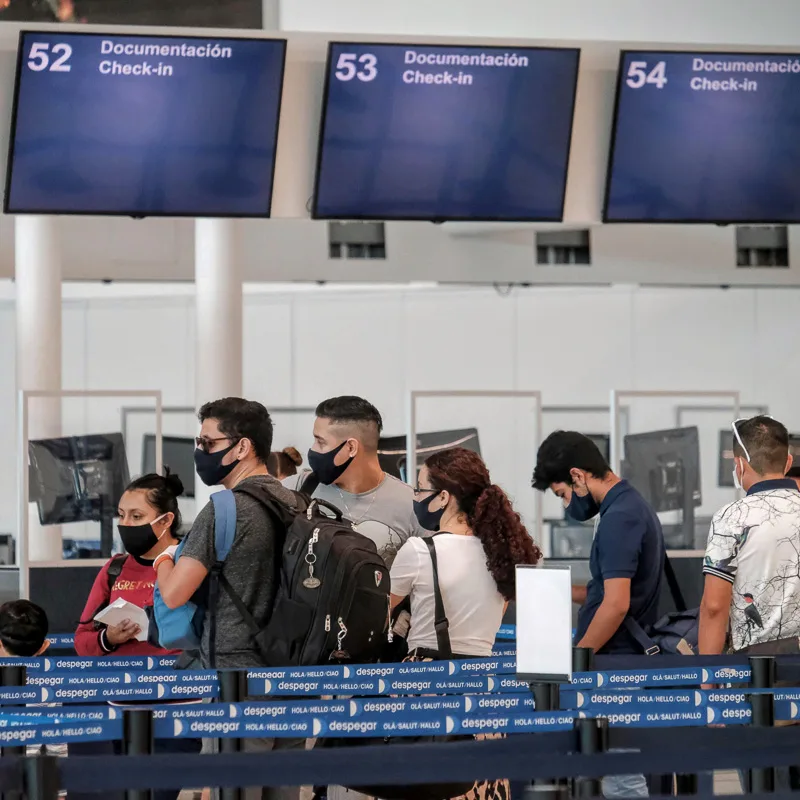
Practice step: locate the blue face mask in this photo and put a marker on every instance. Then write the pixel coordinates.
(428, 519)
(582, 509)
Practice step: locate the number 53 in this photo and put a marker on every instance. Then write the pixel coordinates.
(346, 68)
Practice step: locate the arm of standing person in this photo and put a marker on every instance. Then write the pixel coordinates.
(619, 544)
(715, 612)
(404, 572)
(178, 581)
(719, 567)
(89, 641)
(579, 594)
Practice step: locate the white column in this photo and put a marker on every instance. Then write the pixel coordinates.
(38, 313)
(218, 318)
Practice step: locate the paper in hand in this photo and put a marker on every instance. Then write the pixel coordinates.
(120, 610)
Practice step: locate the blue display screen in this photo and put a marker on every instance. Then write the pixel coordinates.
(705, 137)
(445, 133)
(144, 125)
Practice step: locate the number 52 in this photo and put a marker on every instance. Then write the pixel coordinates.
(39, 57)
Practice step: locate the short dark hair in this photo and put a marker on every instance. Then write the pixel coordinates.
(242, 419)
(357, 411)
(565, 450)
(163, 492)
(766, 441)
(23, 628)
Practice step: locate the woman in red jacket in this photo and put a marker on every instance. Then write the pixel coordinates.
(148, 521)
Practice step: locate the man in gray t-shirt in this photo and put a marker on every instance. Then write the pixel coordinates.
(345, 459)
(385, 514)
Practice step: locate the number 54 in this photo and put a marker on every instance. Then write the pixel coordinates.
(638, 75)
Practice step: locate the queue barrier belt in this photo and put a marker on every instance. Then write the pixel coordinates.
(397, 717)
(525, 757)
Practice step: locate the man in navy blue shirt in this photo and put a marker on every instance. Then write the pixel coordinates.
(627, 558)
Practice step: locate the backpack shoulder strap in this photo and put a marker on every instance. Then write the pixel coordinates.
(308, 483)
(115, 569)
(281, 513)
(224, 522)
(440, 622)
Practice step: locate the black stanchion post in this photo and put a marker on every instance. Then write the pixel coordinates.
(11, 676)
(763, 677)
(546, 791)
(138, 741)
(582, 659)
(546, 697)
(592, 739)
(232, 689)
(41, 778)
(686, 784)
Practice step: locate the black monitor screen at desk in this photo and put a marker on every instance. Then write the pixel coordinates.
(177, 454)
(665, 467)
(445, 132)
(78, 478)
(392, 453)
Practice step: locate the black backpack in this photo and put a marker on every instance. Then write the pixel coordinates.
(333, 589)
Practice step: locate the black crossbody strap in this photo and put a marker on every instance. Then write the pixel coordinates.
(440, 621)
(239, 604)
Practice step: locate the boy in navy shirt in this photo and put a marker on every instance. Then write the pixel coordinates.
(627, 558)
(626, 562)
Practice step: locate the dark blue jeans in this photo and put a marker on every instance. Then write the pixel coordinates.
(166, 746)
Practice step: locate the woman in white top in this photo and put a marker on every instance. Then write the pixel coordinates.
(481, 540)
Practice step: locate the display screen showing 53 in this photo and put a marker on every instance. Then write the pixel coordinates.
(446, 132)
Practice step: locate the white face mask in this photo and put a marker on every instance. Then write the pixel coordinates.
(736, 482)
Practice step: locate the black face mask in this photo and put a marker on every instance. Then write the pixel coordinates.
(582, 509)
(137, 539)
(210, 468)
(323, 466)
(428, 519)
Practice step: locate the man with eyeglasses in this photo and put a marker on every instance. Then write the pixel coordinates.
(752, 562)
(232, 449)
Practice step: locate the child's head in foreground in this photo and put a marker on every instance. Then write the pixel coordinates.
(23, 629)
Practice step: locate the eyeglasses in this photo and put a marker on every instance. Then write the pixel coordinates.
(418, 490)
(735, 427)
(206, 444)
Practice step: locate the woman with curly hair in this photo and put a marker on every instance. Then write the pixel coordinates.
(481, 539)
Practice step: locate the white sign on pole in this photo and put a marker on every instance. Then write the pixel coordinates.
(544, 624)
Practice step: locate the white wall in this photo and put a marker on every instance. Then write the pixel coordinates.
(712, 22)
(573, 344)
